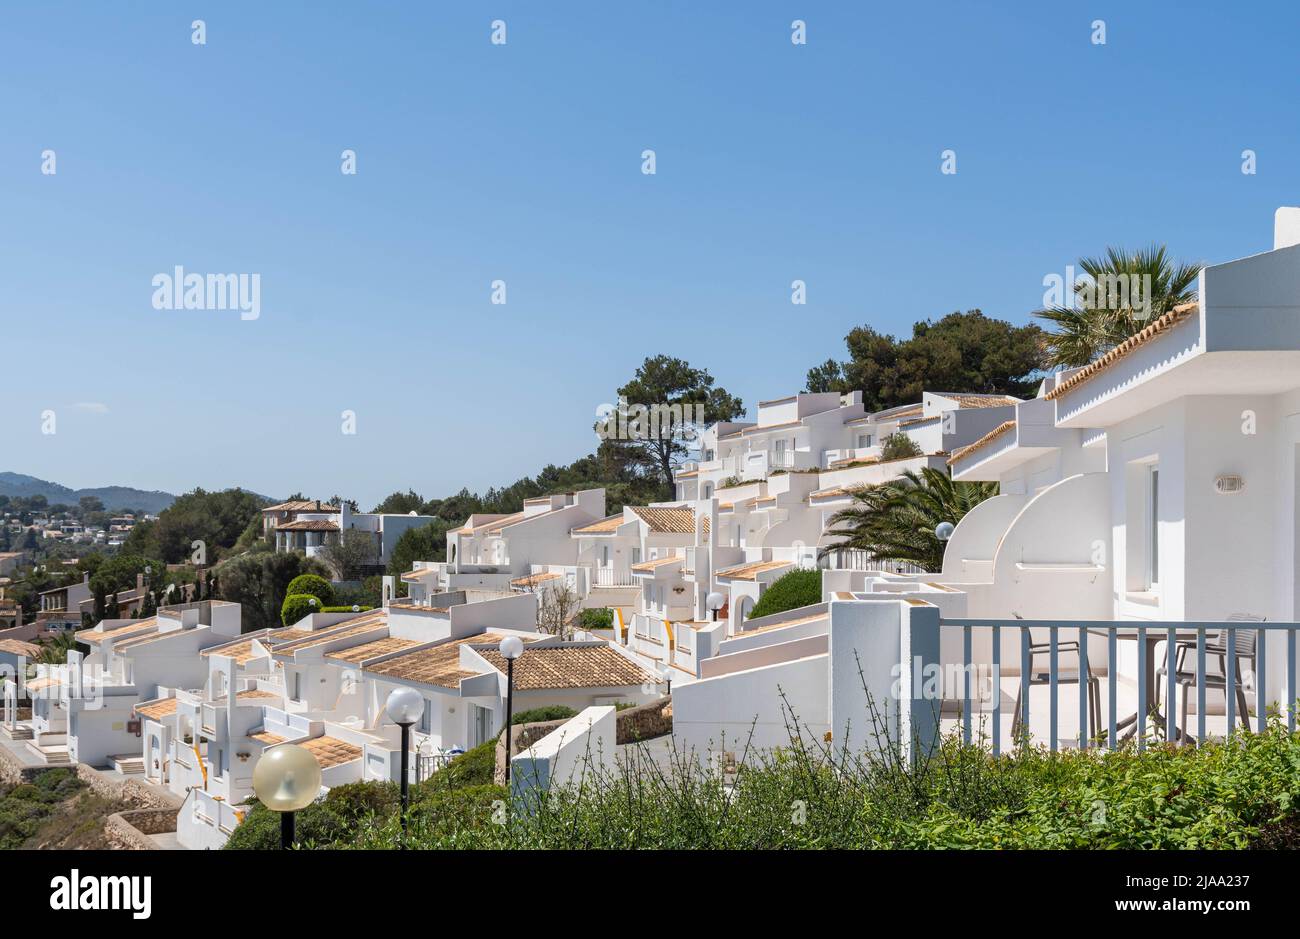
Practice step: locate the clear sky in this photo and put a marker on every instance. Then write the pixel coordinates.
(522, 162)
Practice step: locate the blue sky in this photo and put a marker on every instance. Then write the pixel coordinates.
(522, 163)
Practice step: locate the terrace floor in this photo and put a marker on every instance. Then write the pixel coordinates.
(1067, 726)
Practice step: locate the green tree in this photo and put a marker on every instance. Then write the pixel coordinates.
(400, 504)
(896, 521)
(426, 543)
(259, 583)
(962, 352)
(217, 519)
(1114, 301)
(662, 380)
(899, 446)
(793, 589)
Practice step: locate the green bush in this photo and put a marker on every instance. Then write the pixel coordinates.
(800, 587)
(599, 618)
(899, 446)
(314, 585)
(343, 609)
(552, 712)
(298, 605)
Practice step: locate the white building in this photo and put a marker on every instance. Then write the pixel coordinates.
(307, 525)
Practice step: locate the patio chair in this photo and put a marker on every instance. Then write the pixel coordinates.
(1216, 647)
(1041, 675)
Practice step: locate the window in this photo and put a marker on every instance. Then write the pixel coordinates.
(1153, 526)
(297, 686)
(426, 718)
(864, 440)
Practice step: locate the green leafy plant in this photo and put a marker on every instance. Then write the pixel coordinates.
(899, 446)
(596, 618)
(896, 520)
(552, 712)
(312, 585)
(298, 605)
(790, 591)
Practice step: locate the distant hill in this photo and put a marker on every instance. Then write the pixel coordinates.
(115, 498)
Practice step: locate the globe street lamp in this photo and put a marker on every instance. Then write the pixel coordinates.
(404, 707)
(511, 648)
(943, 531)
(286, 779)
(714, 602)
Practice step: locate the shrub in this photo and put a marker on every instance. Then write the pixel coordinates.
(800, 587)
(313, 585)
(730, 483)
(552, 712)
(344, 609)
(298, 605)
(898, 446)
(600, 618)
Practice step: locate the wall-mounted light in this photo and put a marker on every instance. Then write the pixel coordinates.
(1227, 483)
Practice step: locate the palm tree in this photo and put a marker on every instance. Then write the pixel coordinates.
(1105, 312)
(54, 650)
(895, 521)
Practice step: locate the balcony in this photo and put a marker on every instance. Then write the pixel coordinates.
(611, 577)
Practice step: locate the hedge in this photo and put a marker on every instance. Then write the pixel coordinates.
(801, 587)
(298, 605)
(314, 585)
(599, 618)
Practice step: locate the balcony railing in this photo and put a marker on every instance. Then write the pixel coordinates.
(611, 577)
(1219, 656)
(855, 559)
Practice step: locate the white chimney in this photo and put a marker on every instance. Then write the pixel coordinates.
(1286, 227)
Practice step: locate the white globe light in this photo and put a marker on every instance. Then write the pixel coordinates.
(714, 601)
(512, 647)
(943, 531)
(311, 602)
(404, 706)
(286, 778)
(356, 608)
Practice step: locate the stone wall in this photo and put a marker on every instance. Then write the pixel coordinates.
(645, 721)
(130, 830)
(631, 724)
(13, 771)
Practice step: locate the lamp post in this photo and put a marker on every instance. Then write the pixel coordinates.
(404, 707)
(714, 602)
(511, 648)
(286, 779)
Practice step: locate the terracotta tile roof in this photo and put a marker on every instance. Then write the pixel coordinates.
(969, 400)
(19, 647)
(256, 694)
(962, 452)
(420, 574)
(751, 570)
(902, 411)
(834, 492)
(264, 737)
(917, 422)
(532, 580)
(241, 650)
(95, 636)
(370, 650)
(289, 633)
(302, 505)
(157, 709)
(761, 428)
(331, 751)
(309, 524)
(437, 665)
(653, 563)
(687, 474)
(491, 525)
(585, 666)
(667, 520)
(366, 623)
(1157, 326)
(605, 525)
(40, 684)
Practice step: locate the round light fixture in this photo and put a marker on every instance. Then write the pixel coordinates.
(286, 778)
(404, 706)
(943, 531)
(512, 647)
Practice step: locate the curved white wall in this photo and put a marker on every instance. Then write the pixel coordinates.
(977, 535)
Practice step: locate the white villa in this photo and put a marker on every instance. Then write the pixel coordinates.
(1156, 486)
(307, 525)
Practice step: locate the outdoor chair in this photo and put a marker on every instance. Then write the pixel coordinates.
(1040, 674)
(1216, 649)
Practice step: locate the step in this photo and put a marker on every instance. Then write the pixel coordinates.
(18, 732)
(128, 764)
(50, 755)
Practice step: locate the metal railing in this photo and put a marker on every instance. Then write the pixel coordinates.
(1232, 643)
(855, 559)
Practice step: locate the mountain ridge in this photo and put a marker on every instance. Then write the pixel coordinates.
(115, 498)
